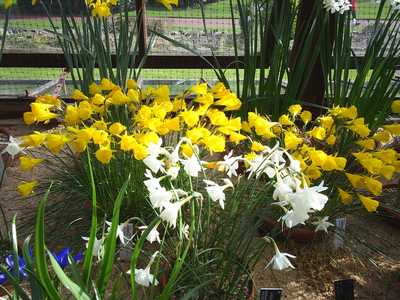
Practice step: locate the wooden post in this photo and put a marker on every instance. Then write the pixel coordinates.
(142, 26)
(314, 91)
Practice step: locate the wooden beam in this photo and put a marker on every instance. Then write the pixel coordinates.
(57, 60)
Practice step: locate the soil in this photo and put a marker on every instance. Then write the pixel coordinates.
(370, 255)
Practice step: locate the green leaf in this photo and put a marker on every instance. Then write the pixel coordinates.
(40, 252)
(88, 261)
(110, 243)
(77, 291)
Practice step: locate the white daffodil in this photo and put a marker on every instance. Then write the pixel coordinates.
(230, 164)
(294, 217)
(171, 211)
(186, 231)
(192, 166)
(160, 197)
(143, 276)
(337, 6)
(216, 192)
(153, 236)
(311, 196)
(152, 161)
(323, 224)
(98, 247)
(280, 261)
(12, 147)
(120, 232)
(173, 172)
(282, 191)
(260, 165)
(151, 183)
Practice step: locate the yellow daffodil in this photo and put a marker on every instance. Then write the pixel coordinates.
(313, 172)
(140, 151)
(387, 172)
(94, 89)
(396, 106)
(358, 127)
(217, 117)
(236, 138)
(104, 155)
(106, 85)
(382, 136)
(26, 188)
(295, 109)
(292, 141)
(35, 139)
(367, 144)
(393, 129)
(230, 101)
(318, 133)
(356, 181)
(78, 95)
(326, 122)
(196, 134)
(55, 142)
(49, 99)
(257, 147)
(117, 128)
(127, 142)
(28, 163)
(345, 197)
(42, 113)
(98, 99)
(133, 95)
(187, 150)
(29, 118)
(100, 124)
(190, 117)
(71, 116)
(85, 110)
(306, 116)
(370, 204)
(214, 143)
(285, 120)
(373, 186)
(131, 84)
(386, 155)
(331, 140)
(100, 137)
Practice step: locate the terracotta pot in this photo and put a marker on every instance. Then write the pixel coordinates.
(301, 234)
(391, 215)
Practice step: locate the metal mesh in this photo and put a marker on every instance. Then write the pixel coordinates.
(30, 32)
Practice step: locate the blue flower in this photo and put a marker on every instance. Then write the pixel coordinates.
(62, 257)
(21, 265)
(3, 278)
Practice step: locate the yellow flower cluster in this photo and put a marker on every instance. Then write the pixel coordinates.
(316, 146)
(203, 115)
(101, 8)
(199, 114)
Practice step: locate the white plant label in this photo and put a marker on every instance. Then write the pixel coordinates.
(339, 233)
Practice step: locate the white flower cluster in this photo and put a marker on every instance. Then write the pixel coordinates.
(395, 4)
(337, 6)
(294, 196)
